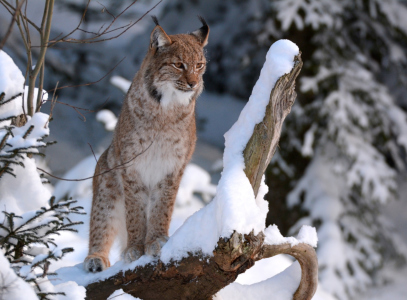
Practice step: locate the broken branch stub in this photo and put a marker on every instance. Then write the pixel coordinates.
(263, 143)
(257, 156)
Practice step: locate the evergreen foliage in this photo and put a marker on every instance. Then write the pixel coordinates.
(27, 240)
(344, 143)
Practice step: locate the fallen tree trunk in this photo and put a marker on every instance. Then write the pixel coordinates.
(200, 277)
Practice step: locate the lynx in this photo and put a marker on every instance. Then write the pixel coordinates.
(154, 139)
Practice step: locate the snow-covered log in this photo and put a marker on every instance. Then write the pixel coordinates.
(200, 276)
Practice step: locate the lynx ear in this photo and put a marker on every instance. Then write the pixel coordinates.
(158, 37)
(202, 33)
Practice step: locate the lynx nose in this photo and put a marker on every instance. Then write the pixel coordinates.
(192, 84)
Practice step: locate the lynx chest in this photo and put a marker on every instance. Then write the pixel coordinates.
(164, 151)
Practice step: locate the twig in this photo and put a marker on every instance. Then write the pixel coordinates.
(116, 296)
(106, 31)
(102, 173)
(11, 99)
(106, 10)
(77, 108)
(53, 101)
(10, 27)
(45, 32)
(9, 7)
(91, 149)
(89, 83)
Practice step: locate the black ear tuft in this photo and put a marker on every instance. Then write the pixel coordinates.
(202, 21)
(155, 20)
(158, 36)
(202, 33)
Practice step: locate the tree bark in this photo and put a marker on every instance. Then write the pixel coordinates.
(200, 277)
(264, 141)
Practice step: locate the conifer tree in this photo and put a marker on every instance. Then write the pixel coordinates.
(345, 140)
(27, 240)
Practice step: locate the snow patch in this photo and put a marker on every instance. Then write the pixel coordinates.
(121, 295)
(307, 235)
(121, 83)
(12, 286)
(107, 118)
(11, 78)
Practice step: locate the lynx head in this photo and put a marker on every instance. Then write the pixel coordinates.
(174, 65)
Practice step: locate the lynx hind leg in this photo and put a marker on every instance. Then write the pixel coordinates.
(153, 248)
(106, 215)
(133, 253)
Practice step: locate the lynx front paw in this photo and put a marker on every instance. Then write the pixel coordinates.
(133, 253)
(153, 248)
(96, 263)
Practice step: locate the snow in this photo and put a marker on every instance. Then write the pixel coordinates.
(72, 291)
(121, 83)
(12, 286)
(12, 84)
(281, 286)
(11, 78)
(307, 235)
(78, 274)
(107, 118)
(260, 285)
(15, 190)
(120, 295)
(194, 188)
(20, 141)
(264, 269)
(15, 106)
(306, 149)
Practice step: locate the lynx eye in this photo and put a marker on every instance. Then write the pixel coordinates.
(178, 65)
(199, 65)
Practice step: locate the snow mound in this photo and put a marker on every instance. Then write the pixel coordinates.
(12, 84)
(12, 285)
(307, 235)
(11, 78)
(25, 192)
(107, 118)
(121, 83)
(121, 295)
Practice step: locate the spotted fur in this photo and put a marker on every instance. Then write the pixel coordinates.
(154, 140)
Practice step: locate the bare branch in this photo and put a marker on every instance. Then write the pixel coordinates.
(98, 36)
(45, 32)
(76, 108)
(102, 173)
(89, 83)
(106, 10)
(53, 101)
(10, 27)
(91, 149)
(11, 9)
